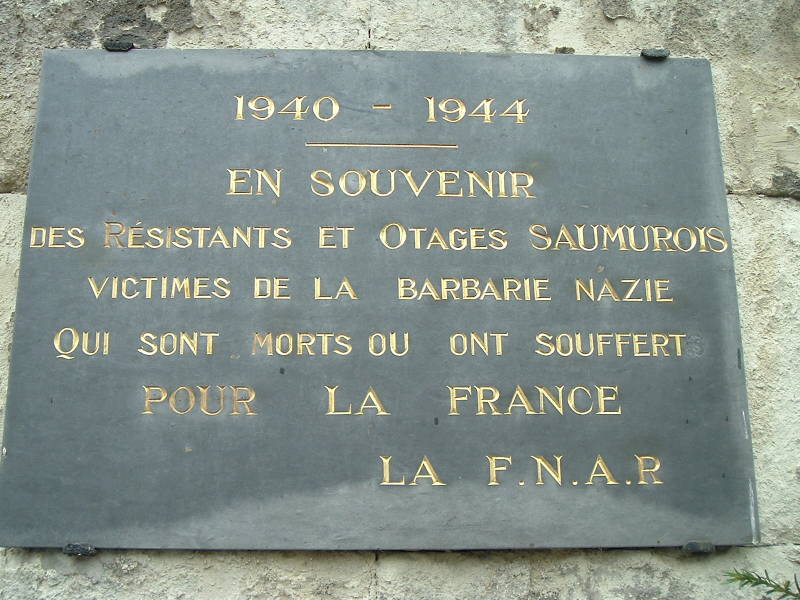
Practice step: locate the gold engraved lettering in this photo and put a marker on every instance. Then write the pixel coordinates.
(332, 402)
(582, 243)
(426, 471)
(327, 239)
(68, 340)
(401, 235)
(630, 290)
(262, 106)
(494, 467)
(38, 237)
(455, 397)
(639, 238)
(373, 182)
(235, 180)
(539, 232)
(654, 465)
(606, 393)
(323, 178)
(448, 178)
(184, 342)
(601, 469)
(294, 107)
(238, 177)
(387, 477)
(174, 400)
(571, 399)
(271, 287)
(382, 183)
(345, 289)
(597, 343)
(65, 349)
(204, 400)
(714, 234)
(484, 110)
(471, 288)
(487, 396)
(555, 402)
(371, 400)
(487, 185)
(349, 189)
(516, 185)
(519, 399)
(160, 287)
(378, 344)
(274, 183)
(579, 399)
(565, 239)
(486, 343)
(118, 235)
(56, 237)
(149, 398)
(301, 343)
(394, 236)
(554, 472)
(183, 399)
(701, 234)
(662, 235)
(454, 110)
(616, 236)
(416, 188)
(250, 396)
(114, 230)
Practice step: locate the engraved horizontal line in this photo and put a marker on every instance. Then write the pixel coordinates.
(377, 145)
(382, 106)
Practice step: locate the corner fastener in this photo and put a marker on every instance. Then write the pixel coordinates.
(699, 548)
(79, 550)
(655, 53)
(117, 45)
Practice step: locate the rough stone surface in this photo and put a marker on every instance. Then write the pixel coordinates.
(766, 242)
(12, 216)
(753, 47)
(785, 184)
(614, 9)
(754, 50)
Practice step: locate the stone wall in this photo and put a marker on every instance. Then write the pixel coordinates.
(754, 49)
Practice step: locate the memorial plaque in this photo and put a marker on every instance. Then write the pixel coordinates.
(334, 300)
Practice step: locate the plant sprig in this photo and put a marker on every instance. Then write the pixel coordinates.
(753, 579)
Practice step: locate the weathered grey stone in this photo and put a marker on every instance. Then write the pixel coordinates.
(554, 575)
(766, 243)
(538, 20)
(12, 215)
(655, 53)
(28, 27)
(785, 184)
(614, 9)
(46, 575)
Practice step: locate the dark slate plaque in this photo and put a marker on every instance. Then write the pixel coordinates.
(576, 222)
